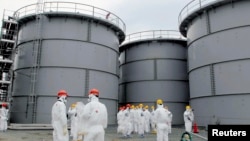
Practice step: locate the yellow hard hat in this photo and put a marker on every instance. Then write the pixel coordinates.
(132, 107)
(73, 105)
(188, 107)
(152, 107)
(146, 107)
(140, 105)
(159, 101)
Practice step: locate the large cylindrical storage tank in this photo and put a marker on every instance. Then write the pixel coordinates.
(218, 54)
(68, 46)
(153, 66)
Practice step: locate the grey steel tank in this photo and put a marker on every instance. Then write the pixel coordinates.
(64, 45)
(153, 66)
(218, 34)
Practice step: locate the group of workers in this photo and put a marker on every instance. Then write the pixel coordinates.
(88, 121)
(139, 120)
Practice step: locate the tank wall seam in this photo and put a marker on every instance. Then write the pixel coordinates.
(218, 95)
(86, 82)
(44, 39)
(128, 62)
(89, 31)
(208, 23)
(159, 80)
(212, 80)
(211, 33)
(191, 70)
(155, 69)
(69, 68)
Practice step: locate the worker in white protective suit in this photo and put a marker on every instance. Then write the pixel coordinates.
(188, 116)
(170, 115)
(133, 119)
(163, 121)
(59, 117)
(73, 121)
(4, 117)
(120, 122)
(79, 121)
(126, 119)
(140, 121)
(96, 118)
(153, 120)
(147, 117)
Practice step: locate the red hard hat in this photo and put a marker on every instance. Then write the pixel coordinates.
(94, 92)
(62, 93)
(120, 108)
(4, 104)
(128, 105)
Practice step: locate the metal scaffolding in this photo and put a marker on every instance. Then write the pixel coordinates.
(8, 39)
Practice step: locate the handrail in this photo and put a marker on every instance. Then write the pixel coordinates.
(71, 7)
(193, 6)
(153, 34)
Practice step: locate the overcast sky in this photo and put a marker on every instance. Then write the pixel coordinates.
(138, 15)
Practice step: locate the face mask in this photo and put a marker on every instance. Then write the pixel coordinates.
(90, 97)
(64, 99)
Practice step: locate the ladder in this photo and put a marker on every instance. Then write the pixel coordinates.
(36, 53)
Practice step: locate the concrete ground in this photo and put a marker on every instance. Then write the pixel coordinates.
(110, 135)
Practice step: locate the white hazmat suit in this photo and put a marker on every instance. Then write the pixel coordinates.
(3, 117)
(126, 119)
(96, 118)
(163, 121)
(133, 119)
(73, 121)
(120, 122)
(188, 116)
(140, 119)
(59, 118)
(170, 116)
(153, 120)
(79, 120)
(147, 116)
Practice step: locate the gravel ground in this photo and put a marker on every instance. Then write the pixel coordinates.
(110, 135)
